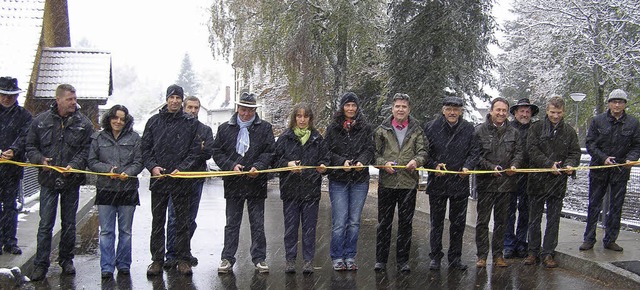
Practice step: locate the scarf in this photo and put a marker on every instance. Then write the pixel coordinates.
(302, 134)
(243, 142)
(348, 124)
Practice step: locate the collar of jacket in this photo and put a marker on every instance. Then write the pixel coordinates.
(547, 125)
(234, 121)
(360, 121)
(386, 124)
(9, 109)
(613, 119)
(54, 111)
(519, 125)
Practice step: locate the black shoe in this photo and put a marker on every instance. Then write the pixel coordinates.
(170, 264)
(586, 246)
(124, 271)
(434, 265)
(404, 268)
(522, 253)
(456, 265)
(379, 266)
(39, 273)
(68, 268)
(106, 275)
(613, 246)
(14, 250)
(509, 254)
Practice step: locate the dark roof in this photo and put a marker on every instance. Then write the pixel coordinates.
(88, 70)
(20, 28)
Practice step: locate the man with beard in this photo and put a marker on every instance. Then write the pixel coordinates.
(451, 145)
(515, 238)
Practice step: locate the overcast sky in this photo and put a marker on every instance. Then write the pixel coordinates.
(151, 36)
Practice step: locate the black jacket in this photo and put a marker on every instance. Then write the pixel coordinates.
(499, 146)
(65, 140)
(456, 148)
(356, 145)
(259, 155)
(14, 126)
(547, 145)
(524, 131)
(610, 137)
(306, 184)
(169, 141)
(204, 137)
(125, 154)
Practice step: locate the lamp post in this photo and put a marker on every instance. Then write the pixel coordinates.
(577, 97)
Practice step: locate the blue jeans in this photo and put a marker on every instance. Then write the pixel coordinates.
(196, 194)
(347, 201)
(48, 209)
(110, 258)
(298, 212)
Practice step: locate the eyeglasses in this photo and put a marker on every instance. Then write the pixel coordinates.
(618, 102)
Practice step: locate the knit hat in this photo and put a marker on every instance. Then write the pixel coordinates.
(349, 97)
(617, 94)
(175, 90)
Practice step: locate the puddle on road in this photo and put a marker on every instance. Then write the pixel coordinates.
(87, 234)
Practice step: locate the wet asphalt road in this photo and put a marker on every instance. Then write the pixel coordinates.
(207, 245)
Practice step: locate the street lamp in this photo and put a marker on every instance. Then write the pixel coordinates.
(577, 97)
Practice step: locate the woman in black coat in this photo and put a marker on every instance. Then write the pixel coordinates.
(349, 142)
(300, 145)
(116, 149)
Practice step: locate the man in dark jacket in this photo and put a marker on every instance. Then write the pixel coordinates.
(613, 137)
(451, 147)
(399, 141)
(14, 125)
(501, 149)
(169, 145)
(60, 137)
(204, 137)
(244, 143)
(551, 144)
(515, 238)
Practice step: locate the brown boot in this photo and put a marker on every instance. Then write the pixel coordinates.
(499, 261)
(481, 263)
(549, 262)
(184, 268)
(530, 260)
(155, 268)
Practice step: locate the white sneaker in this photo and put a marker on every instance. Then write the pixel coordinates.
(225, 266)
(262, 267)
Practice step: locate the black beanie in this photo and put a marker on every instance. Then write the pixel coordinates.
(349, 97)
(175, 90)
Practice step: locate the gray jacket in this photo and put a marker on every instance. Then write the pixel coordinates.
(124, 154)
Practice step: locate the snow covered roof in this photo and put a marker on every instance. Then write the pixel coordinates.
(88, 70)
(20, 28)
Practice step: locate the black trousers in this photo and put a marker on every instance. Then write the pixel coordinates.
(499, 203)
(554, 209)
(597, 191)
(234, 211)
(181, 199)
(388, 198)
(457, 218)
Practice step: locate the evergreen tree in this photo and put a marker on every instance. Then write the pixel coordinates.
(187, 78)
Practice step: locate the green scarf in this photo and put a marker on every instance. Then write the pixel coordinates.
(302, 134)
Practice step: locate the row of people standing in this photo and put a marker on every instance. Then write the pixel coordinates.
(175, 141)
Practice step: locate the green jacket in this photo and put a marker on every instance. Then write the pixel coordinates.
(414, 147)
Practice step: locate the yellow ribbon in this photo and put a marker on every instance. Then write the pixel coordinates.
(205, 174)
